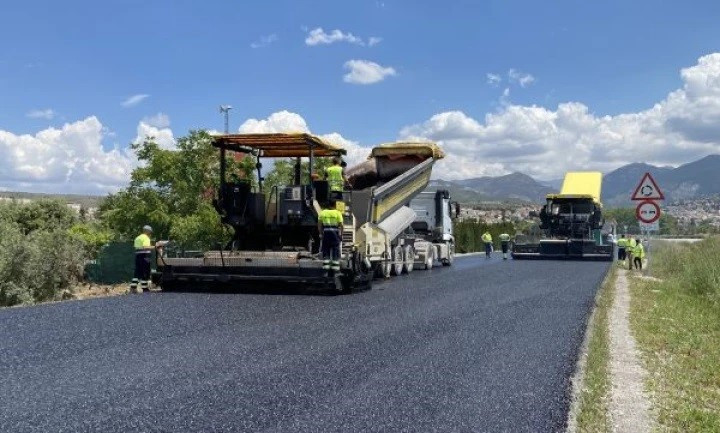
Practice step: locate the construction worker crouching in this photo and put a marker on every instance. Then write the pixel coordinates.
(505, 244)
(336, 178)
(638, 254)
(488, 240)
(143, 257)
(330, 224)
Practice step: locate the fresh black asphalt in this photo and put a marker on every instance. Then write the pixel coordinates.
(483, 346)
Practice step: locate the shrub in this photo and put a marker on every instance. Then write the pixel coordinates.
(39, 266)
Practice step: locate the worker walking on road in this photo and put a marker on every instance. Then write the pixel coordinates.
(622, 245)
(488, 240)
(336, 178)
(330, 224)
(505, 244)
(630, 251)
(638, 254)
(143, 257)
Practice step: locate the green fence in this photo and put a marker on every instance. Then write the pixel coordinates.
(114, 264)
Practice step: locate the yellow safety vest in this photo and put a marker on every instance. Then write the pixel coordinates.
(142, 242)
(487, 238)
(334, 176)
(330, 217)
(504, 238)
(622, 243)
(639, 251)
(631, 244)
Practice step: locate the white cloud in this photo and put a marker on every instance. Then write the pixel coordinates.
(286, 121)
(545, 143)
(156, 127)
(159, 120)
(281, 121)
(493, 79)
(264, 41)
(46, 114)
(66, 159)
(366, 72)
(318, 36)
(134, 100)
(522, 78)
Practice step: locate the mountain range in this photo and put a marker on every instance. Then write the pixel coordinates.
(695, 179)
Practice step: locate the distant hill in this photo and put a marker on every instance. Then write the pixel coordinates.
(87, 201)
(695, 179)
(510, 187)
(692, 180)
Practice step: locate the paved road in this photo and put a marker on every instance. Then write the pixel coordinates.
(484, 346)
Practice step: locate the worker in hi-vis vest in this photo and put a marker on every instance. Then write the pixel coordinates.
(143, 256)
(336, 178)
(622, 244)
(330, 224)
(505, 244)
(488, 241)
(638, 254)
(630, 251)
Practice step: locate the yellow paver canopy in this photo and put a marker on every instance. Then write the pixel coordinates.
(278, 145)
(581, 184)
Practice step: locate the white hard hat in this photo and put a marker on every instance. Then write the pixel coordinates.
(147, 229)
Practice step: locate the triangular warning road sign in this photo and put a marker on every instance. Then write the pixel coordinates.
(648, 189)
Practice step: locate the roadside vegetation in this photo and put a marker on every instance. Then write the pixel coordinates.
(676, 321)
(592, 412)
(43, 248)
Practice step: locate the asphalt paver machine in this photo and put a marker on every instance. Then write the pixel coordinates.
(572, 223)
(275, 232)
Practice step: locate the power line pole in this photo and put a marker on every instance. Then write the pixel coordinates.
(225, 109)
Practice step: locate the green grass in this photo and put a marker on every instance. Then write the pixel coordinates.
(592, 415)
(676, 323)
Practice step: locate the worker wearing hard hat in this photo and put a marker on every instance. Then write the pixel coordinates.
(505, 244)
(488, 241)
(335, 177)
(143, 257)
(330, 224)
(638, 254)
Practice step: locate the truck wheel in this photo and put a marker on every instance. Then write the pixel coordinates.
(450, 259)
(430, 259)
(382, 269)
(409, 254)
(397, 260)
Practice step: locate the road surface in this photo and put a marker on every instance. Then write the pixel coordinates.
(483, 346)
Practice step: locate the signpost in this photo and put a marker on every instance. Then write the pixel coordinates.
(648, 211)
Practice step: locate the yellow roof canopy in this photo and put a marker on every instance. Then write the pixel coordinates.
(581, 184)
(426, 149)
(278, 145)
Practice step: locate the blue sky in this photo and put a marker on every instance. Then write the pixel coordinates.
(85, 58)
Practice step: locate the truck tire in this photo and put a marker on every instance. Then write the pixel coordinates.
(409, 255)
(450, 258)
(430, 259)
(397, 260)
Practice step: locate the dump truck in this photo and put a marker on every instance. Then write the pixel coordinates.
(433, 228)
(571, 222)
(275, 233)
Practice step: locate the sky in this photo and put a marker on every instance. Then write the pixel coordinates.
(502, 85)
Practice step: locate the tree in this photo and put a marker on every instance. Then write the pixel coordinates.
(172, 191)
